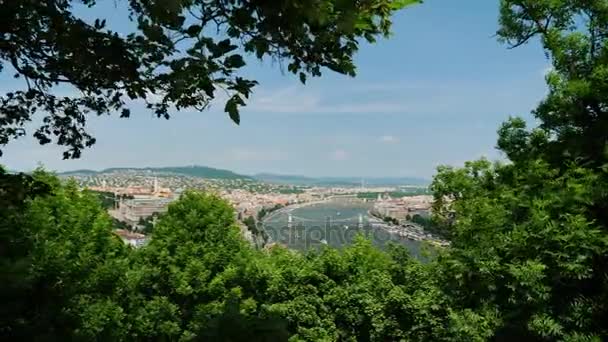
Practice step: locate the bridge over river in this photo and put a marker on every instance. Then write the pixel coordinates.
(336, 222)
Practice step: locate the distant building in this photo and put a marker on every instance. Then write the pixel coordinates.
(403, 207)
(132, 210)
(131, 238)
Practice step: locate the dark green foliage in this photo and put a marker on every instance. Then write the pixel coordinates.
(180, 273)
(390, 220)
(527, 243)
(198, 279)
(263, 212)
(431, 226)
(259, 235)
(181, 54)
(210, 283)
(15, 242)
(61, 280)
(251, 224)
(573, 115)
(107, 199)
(146, 225)
(530, 237)
(117, 224)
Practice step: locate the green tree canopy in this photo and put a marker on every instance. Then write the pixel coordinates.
(73, 279)
(573, 119)
(530, 236)
(181, 55)
(62, 268)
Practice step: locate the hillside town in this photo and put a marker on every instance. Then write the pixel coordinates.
(140, 196)
(403, 208)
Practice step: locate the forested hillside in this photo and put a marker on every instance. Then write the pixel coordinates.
(191, 171)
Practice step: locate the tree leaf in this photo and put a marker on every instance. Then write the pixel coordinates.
(194, 30)
(234, 61)
(232, 108)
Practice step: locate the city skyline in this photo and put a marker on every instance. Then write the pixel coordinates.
(260, 176)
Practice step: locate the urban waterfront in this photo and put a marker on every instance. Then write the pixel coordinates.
(334, 223)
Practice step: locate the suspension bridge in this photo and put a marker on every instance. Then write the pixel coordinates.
(291, 219)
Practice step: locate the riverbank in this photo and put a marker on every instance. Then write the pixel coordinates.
(335, 223)
(411, 231)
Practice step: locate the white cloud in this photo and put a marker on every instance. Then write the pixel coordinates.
(389, 139)
(287, 100)
(255, 154)
(445, 98)
(339, 155)
(298, 99)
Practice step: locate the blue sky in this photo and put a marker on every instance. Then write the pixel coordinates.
(434, 93)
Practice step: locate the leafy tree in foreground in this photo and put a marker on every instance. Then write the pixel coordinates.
(180, 276)
(197, 278)
(64, 271)
(530, 236)
(181, 54)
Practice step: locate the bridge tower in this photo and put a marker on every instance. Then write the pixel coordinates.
(156, 187)
(360, 224)
(289, 221)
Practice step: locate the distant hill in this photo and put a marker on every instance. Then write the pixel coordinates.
(284, 179)
(79, 172)
(192, 171)
(339, 181)
(386, 181)
(209, 172)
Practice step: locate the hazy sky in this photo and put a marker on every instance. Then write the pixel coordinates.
(434, 93)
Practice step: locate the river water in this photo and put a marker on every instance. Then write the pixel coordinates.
(334, 223)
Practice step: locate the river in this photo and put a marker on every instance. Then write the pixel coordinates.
(334, 223)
